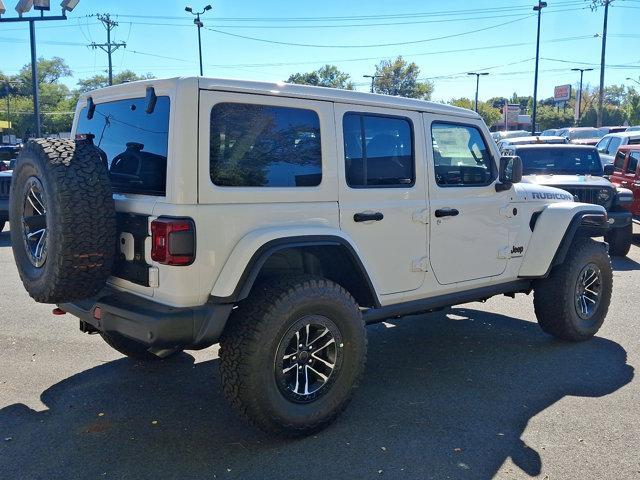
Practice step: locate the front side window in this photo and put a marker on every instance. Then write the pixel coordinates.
(461, 156)
(264, 146)
(633, 162)
(378, 151)
(613, 145)
(133, 143)
(618, 163)
(602, 145)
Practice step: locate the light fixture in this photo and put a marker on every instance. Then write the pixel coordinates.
(69, 5)
(24, 6)
(207, 8)
(42, 5)
(188, 9)
(2, 9)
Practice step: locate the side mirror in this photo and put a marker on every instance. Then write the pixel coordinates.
(609, 169)
(510, 172)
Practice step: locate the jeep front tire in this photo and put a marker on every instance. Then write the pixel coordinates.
(292, 354)
(572, 303)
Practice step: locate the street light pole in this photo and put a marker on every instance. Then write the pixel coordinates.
(538, 8)
(23, 7)
(478, 75)
(602, 58)
(633, 80)
(579, 99)
(198, 23)
(35, 79)
(373, 79)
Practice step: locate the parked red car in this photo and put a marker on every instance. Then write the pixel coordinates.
(626, 173)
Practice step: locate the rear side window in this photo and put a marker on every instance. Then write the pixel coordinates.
(133, 143)
(633, 162)
(378, 151)
(461, 156)
(264, 146)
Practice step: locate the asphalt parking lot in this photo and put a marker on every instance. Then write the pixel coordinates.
(478, 393)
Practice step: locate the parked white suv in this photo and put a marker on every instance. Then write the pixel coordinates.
(279, 220)
(609, 144)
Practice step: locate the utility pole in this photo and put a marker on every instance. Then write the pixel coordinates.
(373, 79)
(478, 75)
(602, 57)
(579, 99)
(538, 8)
(110, 46)
(198, 23)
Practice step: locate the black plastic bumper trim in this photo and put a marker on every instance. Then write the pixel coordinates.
(151, 323)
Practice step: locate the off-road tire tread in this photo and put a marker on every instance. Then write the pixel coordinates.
(85, 228)
(620, 240)
(553, 296)
(242, 335)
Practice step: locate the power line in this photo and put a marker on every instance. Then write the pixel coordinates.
(110, 46)
(394, 44)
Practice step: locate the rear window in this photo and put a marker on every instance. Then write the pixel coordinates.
(133, 143)
(560, 161)
(264, 146)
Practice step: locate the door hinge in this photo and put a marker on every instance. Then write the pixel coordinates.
(420, 265)
(421, 216)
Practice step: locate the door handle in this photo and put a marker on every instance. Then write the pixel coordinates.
(446, 212)
(367, 217)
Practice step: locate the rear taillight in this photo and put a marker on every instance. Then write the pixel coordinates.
(173, 241)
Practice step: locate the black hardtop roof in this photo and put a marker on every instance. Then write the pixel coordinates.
(550, 146)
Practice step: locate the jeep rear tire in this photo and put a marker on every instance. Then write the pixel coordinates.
(62, 214)
(572, 303)
(619, 240)
(292, 354)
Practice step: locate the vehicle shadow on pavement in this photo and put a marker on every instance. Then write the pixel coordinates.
(443, 396)
(624, 264)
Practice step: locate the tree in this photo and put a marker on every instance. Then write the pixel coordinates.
(487, 111)
(49, 72)
(327, 76)
(400, 78)
(632, 107)
(101, 81)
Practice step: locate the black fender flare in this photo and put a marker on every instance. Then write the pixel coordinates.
(260, 257)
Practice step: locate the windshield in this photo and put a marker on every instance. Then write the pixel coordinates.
(578, 134)
(134, 143)
(560, 161)
(548, 133)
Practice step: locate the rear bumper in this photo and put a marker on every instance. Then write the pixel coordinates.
(619, 219)
(151, 323)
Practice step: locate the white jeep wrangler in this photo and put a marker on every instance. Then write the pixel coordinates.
(281, 219)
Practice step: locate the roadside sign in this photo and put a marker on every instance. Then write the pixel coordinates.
(562, 93)
(511, 112)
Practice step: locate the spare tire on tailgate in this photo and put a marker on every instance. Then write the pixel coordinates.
(62, 215)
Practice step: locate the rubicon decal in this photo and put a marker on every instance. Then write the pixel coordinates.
(550, 196)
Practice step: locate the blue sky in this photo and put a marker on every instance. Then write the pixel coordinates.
(496, 36)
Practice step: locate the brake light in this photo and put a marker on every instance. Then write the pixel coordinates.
(173, 241)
